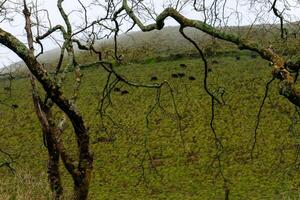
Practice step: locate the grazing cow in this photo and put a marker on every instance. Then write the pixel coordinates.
(7, 88)
(124, 92)
(215, 62)
(174, 75)
(183, 65)
(154, 78)
(180, 74)
(192, 78)
(14, 106)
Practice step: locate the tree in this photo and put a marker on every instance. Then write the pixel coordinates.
(80, 170)
(212, 21)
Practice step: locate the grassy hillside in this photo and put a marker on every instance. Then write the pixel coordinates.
(168, 44)
(136, 47)
(158, 161)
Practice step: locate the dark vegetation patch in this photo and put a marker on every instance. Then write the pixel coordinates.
(215, 62)
(117, 89)
(253, 56)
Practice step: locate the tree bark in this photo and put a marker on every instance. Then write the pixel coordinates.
(81, 187)
(81, 173)
(53, 168)
(43, 113)
(287, 87)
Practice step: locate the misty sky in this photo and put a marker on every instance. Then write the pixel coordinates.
(246, 15)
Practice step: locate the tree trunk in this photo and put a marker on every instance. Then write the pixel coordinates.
(85, 166)
(53, 166)
(44, 115)
(81, 187)
(53, 176)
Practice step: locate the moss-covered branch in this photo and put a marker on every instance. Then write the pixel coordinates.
(81, 181)
(280, 72)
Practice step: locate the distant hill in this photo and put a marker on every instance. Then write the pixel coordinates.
(168, 42)
(135, 46)
(160, 42)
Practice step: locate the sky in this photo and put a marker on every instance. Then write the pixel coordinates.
(246, 15)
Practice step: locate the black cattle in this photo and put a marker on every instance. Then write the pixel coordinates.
(174, 75)
(124, 92)
(154, 78)
(183, 65)
(192, 78)
(180, 74)
(14, 106)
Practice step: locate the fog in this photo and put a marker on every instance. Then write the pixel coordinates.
(239, 12)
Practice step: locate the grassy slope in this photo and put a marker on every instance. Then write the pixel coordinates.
(172, 173)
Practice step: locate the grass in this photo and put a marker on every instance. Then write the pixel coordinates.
(24, 186)
(158, 161)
